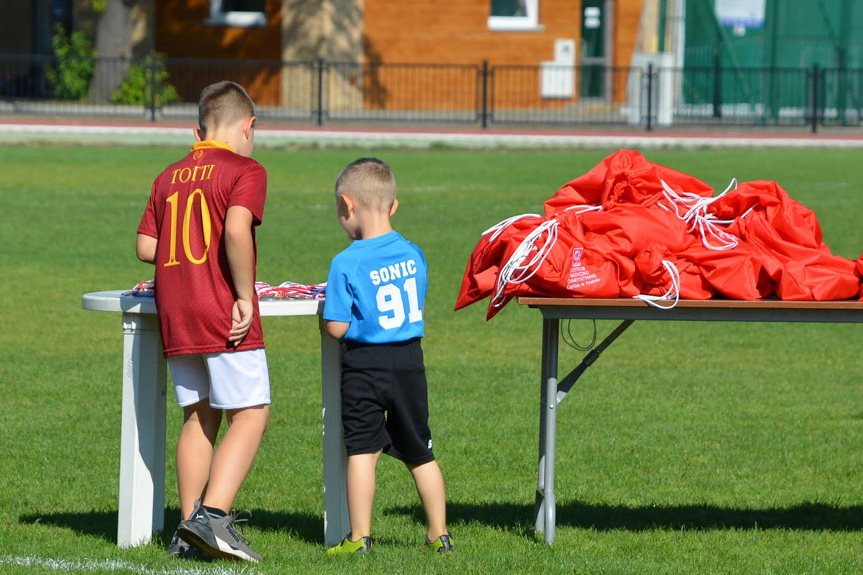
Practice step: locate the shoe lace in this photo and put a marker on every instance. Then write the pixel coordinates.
(237, 519)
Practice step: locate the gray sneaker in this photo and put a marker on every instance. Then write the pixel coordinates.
(217, 536)
(182, 550)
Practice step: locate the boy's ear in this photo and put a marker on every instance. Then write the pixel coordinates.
(348, 201)
(394, 208)
(199, 135)
(248, 126)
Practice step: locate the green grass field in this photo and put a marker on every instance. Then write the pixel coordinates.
(688, 448)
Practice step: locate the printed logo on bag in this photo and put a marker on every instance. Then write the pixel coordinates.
(579, 276)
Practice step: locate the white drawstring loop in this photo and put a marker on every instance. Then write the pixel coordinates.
(672, 293)
(527, 257)
(501, 226)
(583, 208)
(698, 218)
(516, 270)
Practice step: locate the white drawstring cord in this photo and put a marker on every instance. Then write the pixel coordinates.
(689, 207)
(672, 293)
(501, 226)
(583, 208)
(697, 216)
(515, 270)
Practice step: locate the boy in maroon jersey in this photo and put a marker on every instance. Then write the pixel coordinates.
(199, 231)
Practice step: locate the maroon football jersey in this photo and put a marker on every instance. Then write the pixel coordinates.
(186, 213)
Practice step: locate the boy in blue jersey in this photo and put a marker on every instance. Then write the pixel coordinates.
(374, 305)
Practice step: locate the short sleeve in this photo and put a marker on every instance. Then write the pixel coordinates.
(250, 190)
(339, 297)
(148, 225)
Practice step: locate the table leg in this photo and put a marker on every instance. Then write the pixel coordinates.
(336, 521)
(545, 504)
(142, 441)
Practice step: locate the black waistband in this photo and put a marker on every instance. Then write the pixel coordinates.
(358, 344)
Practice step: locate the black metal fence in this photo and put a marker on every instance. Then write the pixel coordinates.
(321, 92)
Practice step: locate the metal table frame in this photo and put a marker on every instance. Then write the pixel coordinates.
(142, 443)
(628, 311)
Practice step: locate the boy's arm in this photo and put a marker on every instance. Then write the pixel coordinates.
(336, 329)
(145, 248)
(241, 259)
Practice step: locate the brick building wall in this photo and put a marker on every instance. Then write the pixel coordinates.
(181, 31)
(455, 37)
(457, 33)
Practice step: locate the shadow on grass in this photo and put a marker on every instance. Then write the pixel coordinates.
(520, 518)
(103, 524)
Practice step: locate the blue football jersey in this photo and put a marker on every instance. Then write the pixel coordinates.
(379, 286)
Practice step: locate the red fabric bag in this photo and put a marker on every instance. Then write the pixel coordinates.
(788, 240)
(480, 277)
(630, 228)
(655, 280)
(860, 273)
(576, 265)
(625, 177)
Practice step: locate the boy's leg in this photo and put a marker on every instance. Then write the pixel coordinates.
(240, 385)
(195, 452)
(235, 454)
(361, 492)
(430, 487)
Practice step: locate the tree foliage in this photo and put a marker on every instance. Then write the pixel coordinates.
(137, 86)
(74, 63)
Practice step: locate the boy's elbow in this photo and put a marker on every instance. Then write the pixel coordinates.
(145, 248)
(336, 329)
(144, 257)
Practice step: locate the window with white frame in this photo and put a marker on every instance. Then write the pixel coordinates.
(237, 13)
(514, 15)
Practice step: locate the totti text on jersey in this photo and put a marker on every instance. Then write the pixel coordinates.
(195, 174)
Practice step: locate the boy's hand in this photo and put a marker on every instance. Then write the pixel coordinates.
(241, 321)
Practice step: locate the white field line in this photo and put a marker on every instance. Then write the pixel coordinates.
(115, 565)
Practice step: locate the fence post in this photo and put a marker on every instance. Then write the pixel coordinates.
(717, 84)
(320, 92)
(814, 98)
(153, 68)
(649, 95)
(484, 116)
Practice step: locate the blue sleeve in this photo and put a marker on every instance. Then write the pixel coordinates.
(339, 296)
(425, 273)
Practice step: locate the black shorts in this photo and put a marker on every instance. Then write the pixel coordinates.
(385, 401)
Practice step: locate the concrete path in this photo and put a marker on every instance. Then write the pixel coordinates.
(28, 129)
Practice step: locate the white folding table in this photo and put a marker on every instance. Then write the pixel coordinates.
(142, 442)
(628, 311)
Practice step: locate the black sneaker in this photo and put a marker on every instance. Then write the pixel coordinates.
(442, 544)
(217, 536)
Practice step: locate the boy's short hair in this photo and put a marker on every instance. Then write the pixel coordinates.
(370, 182)
(223, 103)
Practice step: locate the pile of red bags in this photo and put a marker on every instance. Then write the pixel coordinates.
(632, 228)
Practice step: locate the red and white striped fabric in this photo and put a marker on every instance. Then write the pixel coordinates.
(290, 290)
(285, 290)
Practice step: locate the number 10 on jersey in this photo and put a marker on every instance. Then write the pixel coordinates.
(206, 224)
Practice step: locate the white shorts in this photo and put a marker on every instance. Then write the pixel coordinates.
(232, 380)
